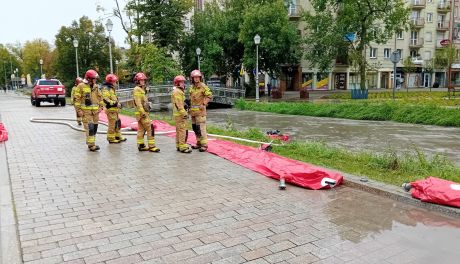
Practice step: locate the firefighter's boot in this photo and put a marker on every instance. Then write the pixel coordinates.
(94, 148)
(154, 149)
(114, 141)
(120, 139)
(203, 148)
(187, 150)
(142, 147)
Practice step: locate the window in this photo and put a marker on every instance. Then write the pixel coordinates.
(429, 17)
(386, 53)
(400, 35)
(428, 36)
(49, 82)
(413, 54)
(373, 53)
(400, 53)
(427, 55)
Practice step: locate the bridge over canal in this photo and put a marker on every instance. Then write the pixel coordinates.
(160, 95)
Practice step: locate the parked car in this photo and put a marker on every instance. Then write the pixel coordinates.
(48, 90)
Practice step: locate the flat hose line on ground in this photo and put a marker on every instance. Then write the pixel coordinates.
(58, 121)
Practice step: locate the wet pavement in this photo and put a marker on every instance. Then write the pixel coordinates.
(122, 206)
(351, 134)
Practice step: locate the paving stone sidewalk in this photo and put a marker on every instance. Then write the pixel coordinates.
(122, 206)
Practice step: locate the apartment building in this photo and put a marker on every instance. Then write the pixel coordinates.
(433, 25)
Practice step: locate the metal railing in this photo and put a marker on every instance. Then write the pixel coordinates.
(162, 93)
(416, 42)
(443, 25)
(418, 21)
(418, 3)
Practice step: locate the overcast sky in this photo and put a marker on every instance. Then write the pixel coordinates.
(23, 20)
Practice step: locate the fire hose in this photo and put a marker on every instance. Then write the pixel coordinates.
(127, 131)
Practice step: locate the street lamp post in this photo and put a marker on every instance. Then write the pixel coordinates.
(4, 70)
(16, 74)
(41, 68)
(257, 42)
(198, 53)
(75, 45)
(109, 26)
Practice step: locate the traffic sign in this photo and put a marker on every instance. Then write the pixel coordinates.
(395, 57)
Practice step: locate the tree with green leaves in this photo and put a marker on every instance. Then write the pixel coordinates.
(215, 32)
(157, 63)
(408, 68)
(371, 21)
(444, 58)
(93, 50)
(160, 19)
(280, 42)
(9, 62)
(33, 52)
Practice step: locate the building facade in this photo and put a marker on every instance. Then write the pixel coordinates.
(434, 24)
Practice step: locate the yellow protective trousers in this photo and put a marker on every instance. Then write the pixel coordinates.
(113, 130)
(181, 132)
(90, 122)
(145, 126)
(199, 127)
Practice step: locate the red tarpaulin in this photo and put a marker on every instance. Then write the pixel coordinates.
(3, 133)
(435, 190)
(265, 163)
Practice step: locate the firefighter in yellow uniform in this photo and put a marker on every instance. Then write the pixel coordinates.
(88, 101)
(142, 115)
(72, 98)
(180, 114)
(200, 96)
(112, 109)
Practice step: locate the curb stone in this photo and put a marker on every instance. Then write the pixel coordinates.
(10, 252)
(396, 193)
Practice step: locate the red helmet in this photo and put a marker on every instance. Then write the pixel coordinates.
(196, 73)
(178, 79)
(140, 76)
(111, 78)
(78, 80)
(91, 74)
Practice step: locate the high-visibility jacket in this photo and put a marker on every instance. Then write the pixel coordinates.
(87, 98)
(200, 95)
(141, 101)
(177, 99)
(110, 98)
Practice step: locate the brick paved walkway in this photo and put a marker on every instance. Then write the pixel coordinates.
(121, 206)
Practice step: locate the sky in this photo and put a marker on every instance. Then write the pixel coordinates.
(23, 20)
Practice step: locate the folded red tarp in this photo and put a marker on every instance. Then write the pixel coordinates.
(126, 121)
(3, 133)
(265, 163)
(435, 190)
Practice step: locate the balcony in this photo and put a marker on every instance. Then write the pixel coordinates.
(416, 43)
(294, 12)
(417, 61)
(442, 26)
(418, 22)
(443, 7)
(417, 4)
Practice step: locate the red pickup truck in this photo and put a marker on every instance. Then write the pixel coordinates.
(48, 90)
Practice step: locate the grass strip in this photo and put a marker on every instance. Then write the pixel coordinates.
(389, 167)
(363, 110)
